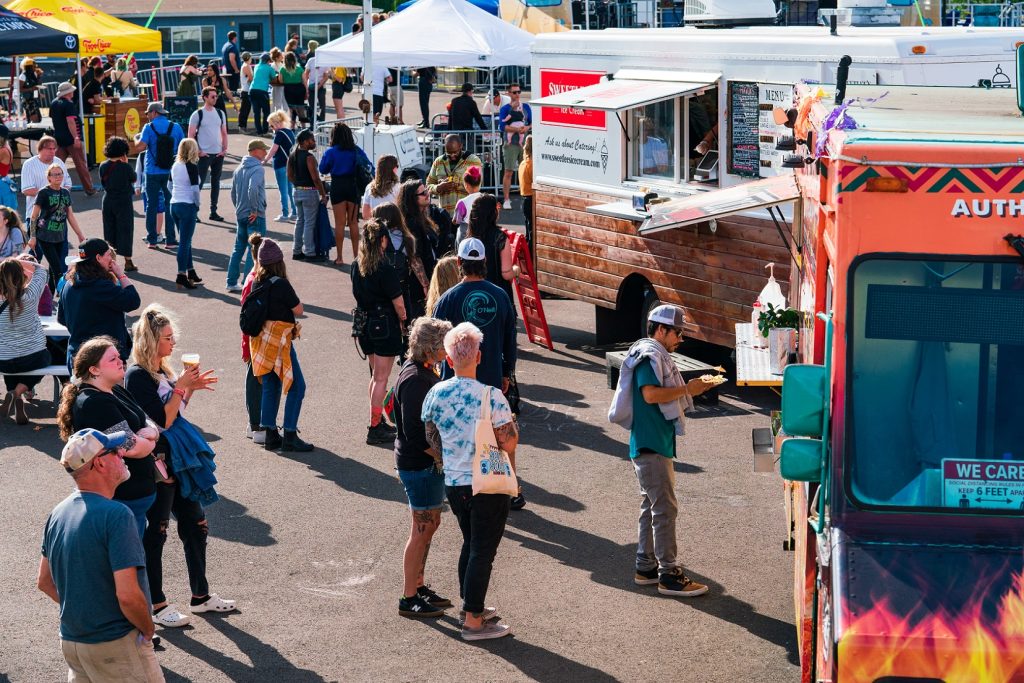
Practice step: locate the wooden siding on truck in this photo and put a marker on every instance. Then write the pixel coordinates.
(716, 276)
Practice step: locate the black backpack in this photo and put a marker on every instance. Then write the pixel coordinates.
(165, 151)
(199, 121)
(255, 308)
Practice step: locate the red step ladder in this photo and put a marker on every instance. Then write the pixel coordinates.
(527, 292)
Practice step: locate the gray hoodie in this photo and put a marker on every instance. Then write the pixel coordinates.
(248, 190)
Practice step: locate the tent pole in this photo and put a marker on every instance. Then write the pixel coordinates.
(368, 131)
(158, 96)
(495, 148)
(81, 112)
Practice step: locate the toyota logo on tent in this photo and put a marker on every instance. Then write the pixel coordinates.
(70, 42)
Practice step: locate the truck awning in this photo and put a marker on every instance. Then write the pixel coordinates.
(632, 88)
(706, 206)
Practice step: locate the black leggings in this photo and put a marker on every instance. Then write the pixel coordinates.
(192, 530)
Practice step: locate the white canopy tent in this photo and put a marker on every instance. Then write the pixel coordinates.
(435, 33)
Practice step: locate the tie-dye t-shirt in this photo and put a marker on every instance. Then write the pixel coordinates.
(454, 407)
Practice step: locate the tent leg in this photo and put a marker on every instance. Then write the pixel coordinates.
(81, 113)
(159, 94)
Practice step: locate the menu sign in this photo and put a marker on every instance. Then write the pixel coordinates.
(753, 133)
(556, 81)
(744, 122)
(179, 108)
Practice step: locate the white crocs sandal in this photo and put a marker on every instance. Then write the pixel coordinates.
(214, 603)
(171, 617)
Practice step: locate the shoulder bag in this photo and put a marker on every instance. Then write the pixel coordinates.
(492, 469)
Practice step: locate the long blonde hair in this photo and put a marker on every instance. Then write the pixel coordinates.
(146, 341)
(385, 179)
(446, 275)
(188, 151)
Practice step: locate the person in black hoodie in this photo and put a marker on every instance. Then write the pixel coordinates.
(463, 111)
(96, 297)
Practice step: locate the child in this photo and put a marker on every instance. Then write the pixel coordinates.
(472, 181)
(117, 177)
(51, 216)
(140, 186)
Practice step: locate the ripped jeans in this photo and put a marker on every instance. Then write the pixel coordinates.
(192, 530)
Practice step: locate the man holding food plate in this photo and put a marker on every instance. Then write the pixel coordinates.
(649, 401)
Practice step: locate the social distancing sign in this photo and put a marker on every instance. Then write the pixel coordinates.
(986, 484)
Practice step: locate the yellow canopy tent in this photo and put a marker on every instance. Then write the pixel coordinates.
(98, 33)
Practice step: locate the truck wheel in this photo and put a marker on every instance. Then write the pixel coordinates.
(651, 301)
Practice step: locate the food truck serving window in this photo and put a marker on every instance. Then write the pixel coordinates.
(937, 385)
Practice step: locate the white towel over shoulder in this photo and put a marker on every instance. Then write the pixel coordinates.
(621, 410)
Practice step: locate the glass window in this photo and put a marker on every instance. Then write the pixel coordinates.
(653, 151)
(321, 33)
(937, 385)
(187, 40)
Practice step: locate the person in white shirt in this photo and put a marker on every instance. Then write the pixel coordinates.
(381, 80)
(495, 103)
(209, 127)
(33, 172)
(185, 209)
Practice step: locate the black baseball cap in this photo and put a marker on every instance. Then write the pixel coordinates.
(89, 249)
(467, 87)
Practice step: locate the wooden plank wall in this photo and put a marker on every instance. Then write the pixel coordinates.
(716, 277)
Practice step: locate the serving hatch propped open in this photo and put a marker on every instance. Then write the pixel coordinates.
(706, 206)
(631, 88)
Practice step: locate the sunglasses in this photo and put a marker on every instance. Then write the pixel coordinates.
(514, 92)
(423, 193)
(108, 451)
(55, 174)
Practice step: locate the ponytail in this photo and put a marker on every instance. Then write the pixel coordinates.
(68, 396)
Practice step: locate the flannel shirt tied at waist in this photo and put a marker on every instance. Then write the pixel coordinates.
(271, 351)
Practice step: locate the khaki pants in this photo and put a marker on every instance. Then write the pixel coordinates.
(124, 660)
(81, 165)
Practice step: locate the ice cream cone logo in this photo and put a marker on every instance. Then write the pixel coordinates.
(604, 157)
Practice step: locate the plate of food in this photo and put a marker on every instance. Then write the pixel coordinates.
(713, 379)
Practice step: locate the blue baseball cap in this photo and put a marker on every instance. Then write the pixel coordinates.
(86, 444)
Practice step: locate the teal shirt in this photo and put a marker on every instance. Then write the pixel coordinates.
(261, 76)
(650, 428)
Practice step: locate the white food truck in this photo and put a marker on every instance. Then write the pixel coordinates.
(621, 113)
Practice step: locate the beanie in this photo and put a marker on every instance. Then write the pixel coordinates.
(269, 252)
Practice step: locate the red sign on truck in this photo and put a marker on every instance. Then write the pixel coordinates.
(555, 81)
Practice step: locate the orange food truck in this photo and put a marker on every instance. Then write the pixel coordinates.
(905, 420)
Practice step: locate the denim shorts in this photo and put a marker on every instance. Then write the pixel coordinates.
(425, 488)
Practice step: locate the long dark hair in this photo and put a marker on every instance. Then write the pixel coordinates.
(483, 218)
(390, 216)
(12, 285)
(342, 138)
(90, 269)
(88, 355)
(417, 220)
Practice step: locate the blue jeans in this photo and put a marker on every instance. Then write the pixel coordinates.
(139, 508)
(285, 186)
(185, 215)
(307, 207)
(155, 184)
(292, 402)
(242, 231)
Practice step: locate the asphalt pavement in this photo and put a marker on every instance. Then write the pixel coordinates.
(310, 545)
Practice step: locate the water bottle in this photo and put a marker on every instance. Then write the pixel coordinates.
(756, 334)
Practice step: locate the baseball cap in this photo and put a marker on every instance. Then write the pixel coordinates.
(157, 107)
(667, 314)
(86, 444)
(256, 143)
(64, 88)
(471, 249)
(91, 248)
(467, 87)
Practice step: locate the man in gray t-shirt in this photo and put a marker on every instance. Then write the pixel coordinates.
(209, 126)
(94, 567)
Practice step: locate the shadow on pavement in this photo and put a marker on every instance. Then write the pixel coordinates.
(559, 358)
(541, 496)
(232, 522)
(352, 475)
(329, 313)
(558, 430)
(268, 663)
(610, 564)
(536, 663)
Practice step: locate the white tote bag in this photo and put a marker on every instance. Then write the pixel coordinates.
(492, 469)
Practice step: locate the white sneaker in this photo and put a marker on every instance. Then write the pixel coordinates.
(507, 204)
(248, 432)
(490, 630)
(234, 288)
(259, 436)
(214, 603)
(171, 617)
(281, 217)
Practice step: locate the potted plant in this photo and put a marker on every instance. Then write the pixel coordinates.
(779, 325)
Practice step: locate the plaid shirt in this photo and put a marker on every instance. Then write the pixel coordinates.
(271, 351)
(442, 170)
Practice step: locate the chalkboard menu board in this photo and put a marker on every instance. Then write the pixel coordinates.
(179, 109)
(744, 149)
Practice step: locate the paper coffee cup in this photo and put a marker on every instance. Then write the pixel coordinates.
(189, 360)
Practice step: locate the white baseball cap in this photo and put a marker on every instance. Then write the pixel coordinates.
(86, 444)
(471, 249)
(667, 314)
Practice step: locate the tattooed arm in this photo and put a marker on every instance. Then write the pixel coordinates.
(434, 439)
(508, 438)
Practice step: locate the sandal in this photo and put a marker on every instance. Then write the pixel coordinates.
(214, 603)
(20, 417)
(339, 262)
(171, 617)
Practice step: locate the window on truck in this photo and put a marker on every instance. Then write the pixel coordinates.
(936, 384)
(664, 135)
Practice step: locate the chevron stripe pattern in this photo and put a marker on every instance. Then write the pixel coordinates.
(1005, 179)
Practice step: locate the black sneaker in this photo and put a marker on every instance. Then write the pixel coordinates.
(517, 502)
(292, 442)
(214, 216)
(274, 440)
(679, 584)
(416, 606)
(433, 598)
(298, 256)
(379, 435)
(647, 577)
(387, 426)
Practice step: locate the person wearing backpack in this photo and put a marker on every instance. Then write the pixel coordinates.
(160, 137)
(209, 127)
(273, 304)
